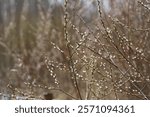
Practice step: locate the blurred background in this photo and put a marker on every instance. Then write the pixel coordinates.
(105, 55)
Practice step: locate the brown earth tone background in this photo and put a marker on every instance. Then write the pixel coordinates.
(75, 49)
